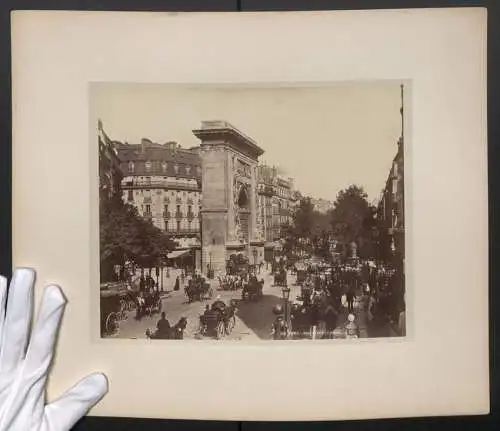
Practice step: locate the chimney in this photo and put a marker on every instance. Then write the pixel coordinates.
(144, 144)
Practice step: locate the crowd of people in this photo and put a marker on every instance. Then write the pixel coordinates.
(364, 296)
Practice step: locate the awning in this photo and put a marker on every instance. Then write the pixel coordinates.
(177, 253)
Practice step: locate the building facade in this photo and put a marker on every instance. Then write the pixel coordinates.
(110, 175)
(277, 201)
(391, 207)
(163, 181)
(322, 205)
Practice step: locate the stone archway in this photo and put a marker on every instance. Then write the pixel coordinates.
(243, 215)
(229, 214)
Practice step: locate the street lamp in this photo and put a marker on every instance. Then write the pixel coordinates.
(286, 296)
(254, 256)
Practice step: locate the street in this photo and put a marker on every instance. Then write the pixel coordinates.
(254, 319)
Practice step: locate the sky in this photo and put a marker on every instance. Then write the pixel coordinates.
(325, 137)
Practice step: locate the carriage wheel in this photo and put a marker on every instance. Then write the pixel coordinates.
(210, 293)
(220, 330)
(230, 324)
(111, 323)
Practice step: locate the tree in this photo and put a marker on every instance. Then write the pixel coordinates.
(125, 235)
(303, 220)
(308, 230)
(353, 220)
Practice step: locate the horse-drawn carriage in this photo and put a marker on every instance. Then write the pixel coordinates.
(237, 264)
(230, 282)
(280, 277)
(252, 291)
(301, 273)
(148, 304)
(198, 290)
(115, 301)
(175, 332)
(218, 320)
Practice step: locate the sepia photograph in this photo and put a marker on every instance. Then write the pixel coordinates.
(251, 213)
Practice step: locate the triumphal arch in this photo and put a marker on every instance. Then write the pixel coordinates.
(229, 215)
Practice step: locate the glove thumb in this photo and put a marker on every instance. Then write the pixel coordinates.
(64, 412)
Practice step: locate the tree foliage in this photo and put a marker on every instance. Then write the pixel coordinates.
(125, 235)
(307, 230)
(353, 220)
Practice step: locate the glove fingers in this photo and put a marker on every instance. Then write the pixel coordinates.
(17, 319)
(43, 338)
(3, 297)
(63, 413)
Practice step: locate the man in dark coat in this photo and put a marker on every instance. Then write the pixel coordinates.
(163, 327)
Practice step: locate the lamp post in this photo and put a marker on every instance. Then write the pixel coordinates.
(254, 251)
(157, 272)
(161, 275)
(209, 272)
(286, 296)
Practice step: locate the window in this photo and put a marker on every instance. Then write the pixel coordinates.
(148, 209)
(178, 209)
(164, 166)
(178, 225)
(189, 225)
(130, 195)
(131, 166)
(176, 168)
(190, 209)
(188, 169)
(147, 165)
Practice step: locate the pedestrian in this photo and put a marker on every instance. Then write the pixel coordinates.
(330, 317)
(163, 327)
(350, 299)
(176, 286)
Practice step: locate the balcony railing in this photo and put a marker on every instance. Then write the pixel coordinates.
(190, 215)
(147, 200)
(190, 201)
(183, 231)
(169, 185)
(178, 200)
(178, 214)
(166, 214)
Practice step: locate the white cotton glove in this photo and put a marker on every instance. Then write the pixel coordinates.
(23, 372)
